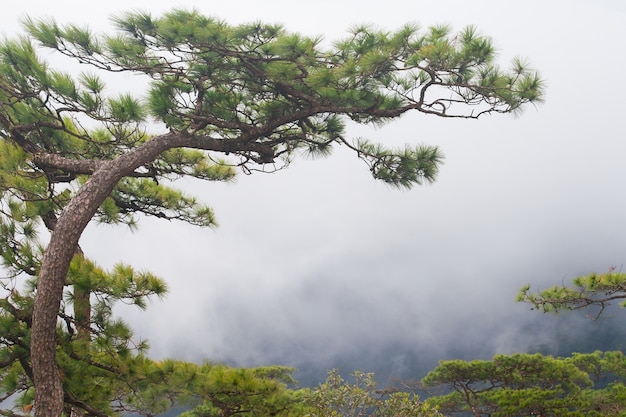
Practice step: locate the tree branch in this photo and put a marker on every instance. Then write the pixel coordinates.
(47, 161)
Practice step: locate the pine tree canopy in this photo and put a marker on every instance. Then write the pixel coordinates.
(255, 93)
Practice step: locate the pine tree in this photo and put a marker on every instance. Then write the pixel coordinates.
(219, 98)
(523, 384)
(363, 398)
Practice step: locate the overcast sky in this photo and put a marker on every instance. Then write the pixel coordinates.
(320, 263)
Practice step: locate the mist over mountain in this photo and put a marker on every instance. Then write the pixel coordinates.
(392, 360)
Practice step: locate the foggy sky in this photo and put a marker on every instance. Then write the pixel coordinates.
(319, 265)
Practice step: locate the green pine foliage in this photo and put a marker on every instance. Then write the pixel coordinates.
(592, 293)
(532, 384)
(230, 82)
(338, 397)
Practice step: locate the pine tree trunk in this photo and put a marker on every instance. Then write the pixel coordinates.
(54, 266)
(82, 307)
(47, 379)
(56, 260)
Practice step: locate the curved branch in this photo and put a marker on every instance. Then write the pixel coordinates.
(47, 161)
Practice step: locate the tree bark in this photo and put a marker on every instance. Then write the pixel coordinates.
(54, 267)
(56, 260)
